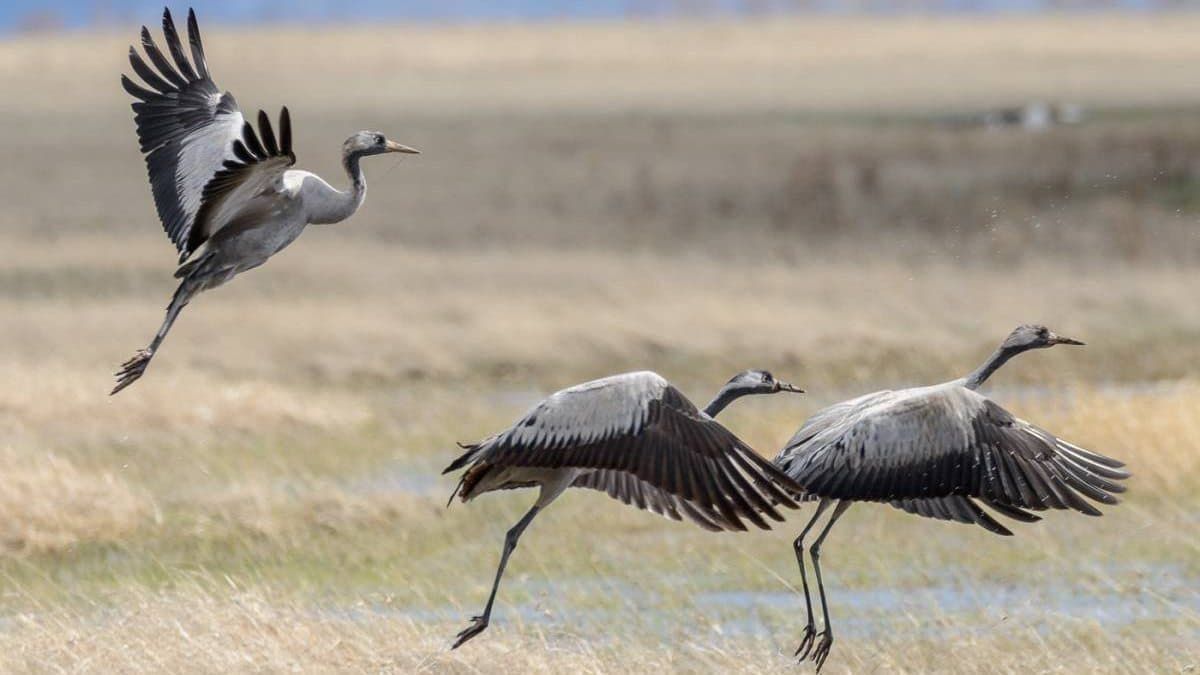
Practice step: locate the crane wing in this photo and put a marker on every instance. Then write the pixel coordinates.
(187, 129)
(257, 166)
(642, 441)
(935, 451)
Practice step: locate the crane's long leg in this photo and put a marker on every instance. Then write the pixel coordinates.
(810, 630)
(480, 623)
(133, 369)
(822, 651)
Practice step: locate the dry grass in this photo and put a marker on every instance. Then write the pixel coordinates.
(402, 316)
(231, 629)
(48, 505)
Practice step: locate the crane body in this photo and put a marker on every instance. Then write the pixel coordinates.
(226, 194)
(943, 452)
(640, 440)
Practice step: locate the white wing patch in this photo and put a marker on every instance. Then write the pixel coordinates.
(201, 154)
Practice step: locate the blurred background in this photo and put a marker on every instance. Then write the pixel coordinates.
(854, 195)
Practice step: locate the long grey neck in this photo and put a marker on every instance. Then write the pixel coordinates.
(341, 205)
(984, 371)
(724, 397)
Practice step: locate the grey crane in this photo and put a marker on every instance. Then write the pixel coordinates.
(939, 452)
(223, 192)
(636, 437)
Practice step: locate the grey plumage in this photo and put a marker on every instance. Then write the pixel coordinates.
(225, 193)
(943, 452)
(932, 450)
(640, 440)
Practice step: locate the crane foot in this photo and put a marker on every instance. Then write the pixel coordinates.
(478, 625)
(822, 651)
(806, 642)
(132, 369)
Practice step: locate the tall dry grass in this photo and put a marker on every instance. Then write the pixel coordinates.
(48, 505)
(213, 625)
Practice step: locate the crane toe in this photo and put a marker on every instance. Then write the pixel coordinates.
(132, 369)
(478, 625)
(822, 651)
(806, 642)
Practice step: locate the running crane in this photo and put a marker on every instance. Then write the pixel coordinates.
(636, 437)
(939, 452)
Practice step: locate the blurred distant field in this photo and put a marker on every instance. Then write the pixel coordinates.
(695, 199)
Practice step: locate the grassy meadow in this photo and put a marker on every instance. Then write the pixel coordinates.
(690, 198)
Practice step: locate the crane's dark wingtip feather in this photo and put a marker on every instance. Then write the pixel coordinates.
(148, 75)
(984, 520)
(134, 90)
(1092, 456)
(175, 46)
(240, 152)
(285, 133)
(267, 133)
(196, 44)
(168, 21)
(250, 137)
(769, 478)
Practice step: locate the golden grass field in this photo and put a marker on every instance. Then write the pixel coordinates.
(690, 198)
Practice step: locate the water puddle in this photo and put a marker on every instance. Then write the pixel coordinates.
(1157, 593)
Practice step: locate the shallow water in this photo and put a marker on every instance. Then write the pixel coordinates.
(857, 612)
(1145, 593)
(400, 476)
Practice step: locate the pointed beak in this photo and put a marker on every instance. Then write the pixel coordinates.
(784, 386)
(1060, 340)
(393, 146)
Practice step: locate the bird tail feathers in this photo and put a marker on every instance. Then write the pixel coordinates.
(472, 452)
(472, 449)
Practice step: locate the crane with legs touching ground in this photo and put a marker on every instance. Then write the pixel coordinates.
(939, 452)
(225, 194)
(639, 439)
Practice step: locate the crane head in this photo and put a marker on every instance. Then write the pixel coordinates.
(1033, 336)
(758, 382)
(366, 143)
